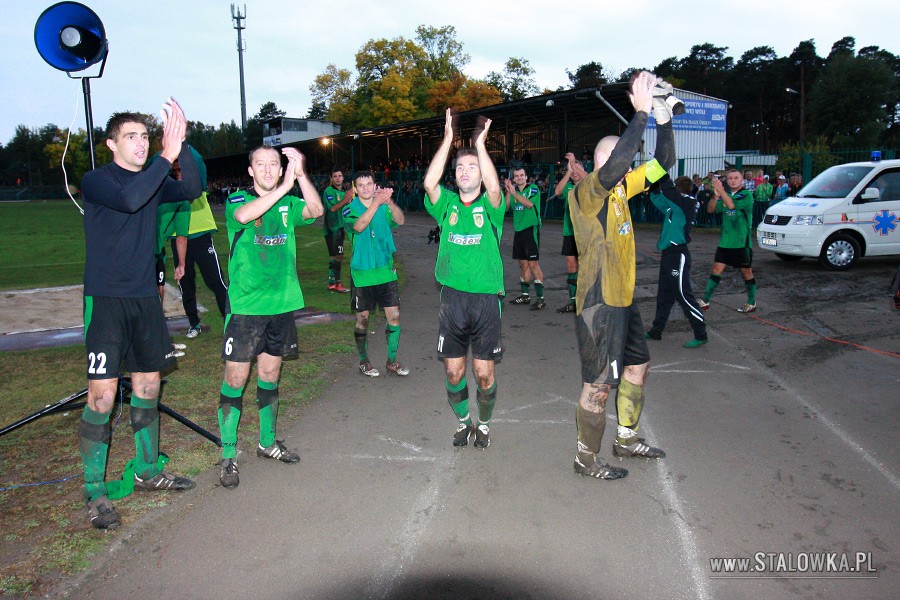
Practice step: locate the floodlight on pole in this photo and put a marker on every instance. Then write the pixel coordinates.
(70, 37)
(238, 18)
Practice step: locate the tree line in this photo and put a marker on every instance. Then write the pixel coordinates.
(848, 98)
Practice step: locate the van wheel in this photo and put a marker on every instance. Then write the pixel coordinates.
(840, 252)
(788, 257)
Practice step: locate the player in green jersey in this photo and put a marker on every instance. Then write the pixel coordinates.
(263, 294)
(470, 269)
(527, 236)
(369, 219)
(334, 200)
(574, 173)
(736, 207)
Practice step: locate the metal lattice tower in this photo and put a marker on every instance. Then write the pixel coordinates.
(238, 18)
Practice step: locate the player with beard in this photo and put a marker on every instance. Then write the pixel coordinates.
(470, 271)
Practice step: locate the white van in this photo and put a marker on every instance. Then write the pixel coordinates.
(845, 212)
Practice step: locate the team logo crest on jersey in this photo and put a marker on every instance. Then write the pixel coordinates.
(479, 220)
(284, 214)
(454, 219)
(625, 228)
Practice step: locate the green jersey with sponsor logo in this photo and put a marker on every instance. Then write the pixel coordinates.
(736, 223)
(468, 257)
(334, 220)
(262, 265)
(524, 217)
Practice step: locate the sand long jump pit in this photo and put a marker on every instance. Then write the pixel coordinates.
(50, 317)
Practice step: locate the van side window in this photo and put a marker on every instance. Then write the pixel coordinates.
(888, 183)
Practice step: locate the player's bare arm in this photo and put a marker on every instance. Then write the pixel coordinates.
(570, 161)
(396, 211)
(489, 177)
(721, 193)
(365, 219)
(313, 208)
(432, 179)
(512, 191)
(256, 208)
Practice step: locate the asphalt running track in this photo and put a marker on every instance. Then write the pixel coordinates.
(778, 442)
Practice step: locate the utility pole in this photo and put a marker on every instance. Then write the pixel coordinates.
(238, 18)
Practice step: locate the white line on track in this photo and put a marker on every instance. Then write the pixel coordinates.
(393, 458)
(402, 444)
(403, 547)
(820, 416)
(685, 535)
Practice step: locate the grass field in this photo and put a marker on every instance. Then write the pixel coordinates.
(45, 535)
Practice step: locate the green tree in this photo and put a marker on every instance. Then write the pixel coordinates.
(848, 101)
(516, 82)
(334, 88)
(706, 69)
(445, 56)
(77, 157)
(391, 102)
(228, 139)
(588, 75)
(318, 110)
(26, 157)
(253, 135)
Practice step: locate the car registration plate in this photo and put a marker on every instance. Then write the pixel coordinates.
(769, 242)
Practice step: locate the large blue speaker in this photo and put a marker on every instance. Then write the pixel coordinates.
(70, 37)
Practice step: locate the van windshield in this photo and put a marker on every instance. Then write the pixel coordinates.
(836, 182)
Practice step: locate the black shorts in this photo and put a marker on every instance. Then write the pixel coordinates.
(132, 331)
(739, 258)
(469, 320)
(363, 299)
(610, 338)
(335, 242)
(569, 248)
(526, 244)
(248, 336)
(160, 270)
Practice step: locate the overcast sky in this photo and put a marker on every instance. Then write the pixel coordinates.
(187, 48)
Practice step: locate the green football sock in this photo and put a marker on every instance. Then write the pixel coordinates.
(629, 402)
(267, 400)
(230, 406)
(458, 396)
(362, 344)
(572, 283)
(525, 287)
(711, 284)
(539, 288)
(392, 336)
(486, 399)
(145, 424)
(331, 271)
(93, 442)
(337, 271)
(750, 284)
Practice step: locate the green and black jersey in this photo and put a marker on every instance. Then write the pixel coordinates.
(736, 222)
(524, 217)
(262, 264)
(468, 257)
(334, 220)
